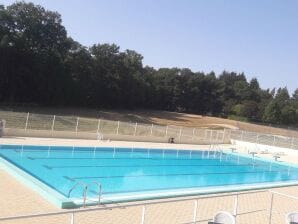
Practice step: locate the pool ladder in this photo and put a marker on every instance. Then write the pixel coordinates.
(85, 190)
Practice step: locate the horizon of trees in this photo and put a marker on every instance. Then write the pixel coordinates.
(41, 64)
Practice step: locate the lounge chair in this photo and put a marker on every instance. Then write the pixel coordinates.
(223, 218)
(292, 218)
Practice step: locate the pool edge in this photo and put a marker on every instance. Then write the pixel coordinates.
(62, 202)
(32, 183)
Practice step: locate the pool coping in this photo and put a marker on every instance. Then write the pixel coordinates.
(63, 202)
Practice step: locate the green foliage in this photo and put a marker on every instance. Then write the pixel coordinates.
(272, 113)
(248, 108)
(40, 64)
(238, 118)
(281, 109)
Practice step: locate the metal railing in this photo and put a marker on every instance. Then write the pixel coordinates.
(53, 125)
(276, 211)
(84, 194)
(263, 206)
(99, 192)
(86, 187)
(265, 139)
(91, 128)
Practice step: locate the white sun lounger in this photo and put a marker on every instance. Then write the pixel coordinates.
(223, 218)
(292, 218)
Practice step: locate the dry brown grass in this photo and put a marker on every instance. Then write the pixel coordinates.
(192, 120)
(158, 117)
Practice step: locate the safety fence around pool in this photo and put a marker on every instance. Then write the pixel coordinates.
(258, 207)
(264, 139)
(40, 125)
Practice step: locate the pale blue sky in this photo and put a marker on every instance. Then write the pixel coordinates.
(257, 37)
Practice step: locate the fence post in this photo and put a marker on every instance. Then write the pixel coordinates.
(77, 124)
(26, 124)
(53, 123)
(98, 126)
(151, 131)
(193, 133)
(72, 218)
(167, 130)
(223, 135)
(118, 125)
(235, 206)
(292, 143)
(271, 207)
(241, 138)
(2, 128)
(274, 140)
(143, 215)
(136, 125)
(180, 133)
(195, 211)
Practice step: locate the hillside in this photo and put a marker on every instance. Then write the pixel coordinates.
(149, 117)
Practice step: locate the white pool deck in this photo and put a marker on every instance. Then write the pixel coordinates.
(17, 199)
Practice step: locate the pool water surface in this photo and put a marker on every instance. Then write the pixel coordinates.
(136, 171)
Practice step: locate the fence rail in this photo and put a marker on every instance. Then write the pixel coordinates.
(82, 126)
(72, 126)
(265, 139)
(263, 206)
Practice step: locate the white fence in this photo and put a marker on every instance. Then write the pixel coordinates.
(265, 139)
(59, 126)
(40, 125)
(247, 207)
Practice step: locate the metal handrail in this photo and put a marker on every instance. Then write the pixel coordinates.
(85, 187)
(72, 211)
(99, 190)
(284, 195)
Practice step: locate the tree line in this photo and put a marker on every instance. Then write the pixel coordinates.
(41, 64)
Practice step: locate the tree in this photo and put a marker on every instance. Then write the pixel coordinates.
(295, 99)
(288, 115)
(32, 51)
(79, 65)
(280, 110)
(272, 113)
(247, 109)
(40, 64)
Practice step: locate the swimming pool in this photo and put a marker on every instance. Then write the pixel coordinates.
(134, 173)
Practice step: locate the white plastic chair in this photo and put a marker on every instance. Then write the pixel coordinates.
(223, 217)
(292, 218)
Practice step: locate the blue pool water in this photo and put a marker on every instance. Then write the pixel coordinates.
(135, 171)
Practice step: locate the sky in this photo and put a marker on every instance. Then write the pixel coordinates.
(257, 37)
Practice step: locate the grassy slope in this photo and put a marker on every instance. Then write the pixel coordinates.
(156, 117)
